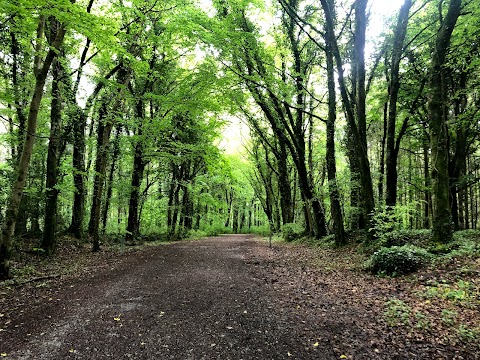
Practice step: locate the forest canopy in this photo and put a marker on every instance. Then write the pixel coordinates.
(113, 113)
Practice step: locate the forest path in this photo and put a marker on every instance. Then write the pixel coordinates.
(228, 297)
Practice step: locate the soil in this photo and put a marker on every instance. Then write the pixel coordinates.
(228, 297)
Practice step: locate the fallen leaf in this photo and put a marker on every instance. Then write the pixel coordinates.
(289, 354)
(3, 354)
(71, 351)
(316, 344)
(343, 356)
(116, 318)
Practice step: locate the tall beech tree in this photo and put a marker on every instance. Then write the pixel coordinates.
(41, 70)
(393, 90)
(438, 117)
(108, 113)
(336, 209)
(354, 107)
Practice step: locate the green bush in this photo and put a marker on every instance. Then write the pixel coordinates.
(291, 231)
(467, 235)
(403, 237)
(397, 260)
(465, 244)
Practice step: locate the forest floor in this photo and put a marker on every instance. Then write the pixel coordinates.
(233, 297)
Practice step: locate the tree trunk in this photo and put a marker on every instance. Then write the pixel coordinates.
(78, 159)
(187, 210)
(103, 138)
(78, 162)
(235, 218)
(137, 178)
(173, 201)
(285, 189)
(361, 116)
(354, 109)
(51, 192)
(22, 170)
(394, 87)
(243, 216)
(335, 206)
(427, 192)
(115, 154)
(23, 214)
(442, 221)
(381, 177)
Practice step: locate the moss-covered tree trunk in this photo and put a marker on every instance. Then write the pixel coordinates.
(335, 206)
(438, 115)
(137, 177)
(51, 191)
(393, 91)
(22, 169)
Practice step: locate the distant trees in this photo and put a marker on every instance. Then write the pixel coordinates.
(390, 102)
(143, 89)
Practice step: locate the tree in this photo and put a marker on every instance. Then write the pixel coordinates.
(393, 90)
(336, 210)
(41, 71)
(354, 107)
(442, 221)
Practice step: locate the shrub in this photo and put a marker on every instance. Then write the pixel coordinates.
(291, 231)
(403, 237)
(397, 260)
(466, 243)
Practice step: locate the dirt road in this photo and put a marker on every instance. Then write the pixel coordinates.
(208, 299)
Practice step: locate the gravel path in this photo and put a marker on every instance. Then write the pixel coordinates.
(189, 300)
(228, 297)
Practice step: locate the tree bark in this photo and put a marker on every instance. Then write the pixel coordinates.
(335, 206)
(114, 159)
(284, 187)
(442, 221)
(137, 177)
(427, 197)
(103, 138)
(78, 162)
(354, 109)
(235, 218)
(22, 170)
(360, 108)
(394, 87)
(51, 192)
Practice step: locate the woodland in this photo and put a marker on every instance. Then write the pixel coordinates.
(112, 115)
